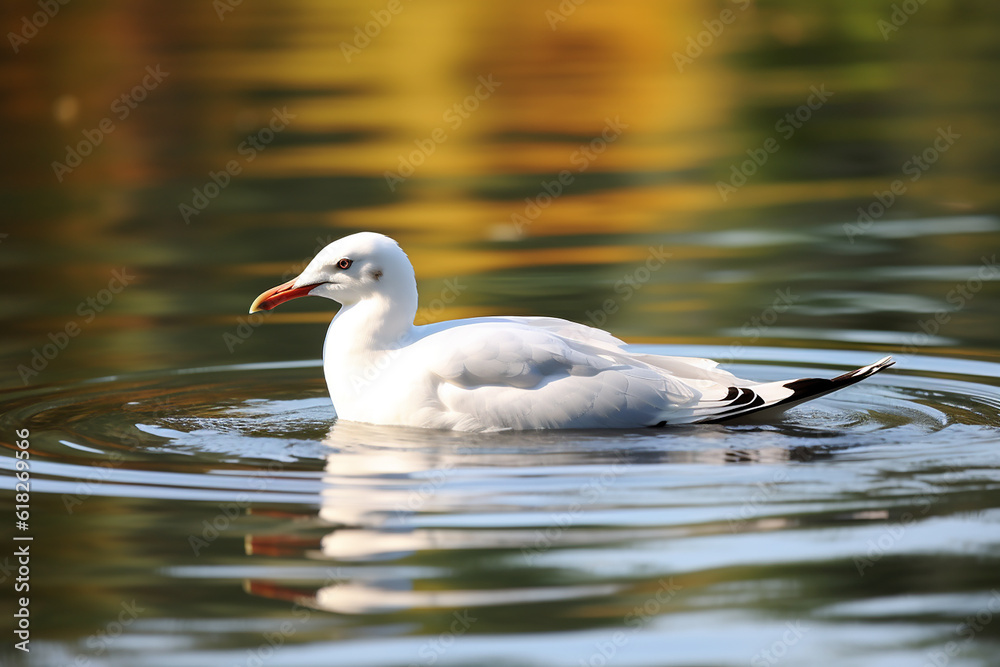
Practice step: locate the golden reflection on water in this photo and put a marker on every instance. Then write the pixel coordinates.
(495, 106)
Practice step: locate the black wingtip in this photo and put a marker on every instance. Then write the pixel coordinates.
(866, 371)
(809, 388)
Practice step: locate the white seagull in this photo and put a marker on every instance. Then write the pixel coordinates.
(504, 373)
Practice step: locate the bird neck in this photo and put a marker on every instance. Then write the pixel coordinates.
(373, 324)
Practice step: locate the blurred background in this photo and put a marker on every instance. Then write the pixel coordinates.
(815, 179)
(188, 88)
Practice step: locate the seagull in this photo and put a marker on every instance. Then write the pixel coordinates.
(487, 374)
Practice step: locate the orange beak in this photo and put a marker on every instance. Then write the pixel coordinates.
(280, 294)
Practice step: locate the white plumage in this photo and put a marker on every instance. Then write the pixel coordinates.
(497, 373)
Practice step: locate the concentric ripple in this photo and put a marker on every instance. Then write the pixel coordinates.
(388, 535)
(208, 425)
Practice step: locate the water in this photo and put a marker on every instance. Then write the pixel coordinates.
(229, 506)
(194, 499)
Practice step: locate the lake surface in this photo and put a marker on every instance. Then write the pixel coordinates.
(791, 190)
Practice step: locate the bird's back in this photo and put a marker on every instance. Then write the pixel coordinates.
(526, 373)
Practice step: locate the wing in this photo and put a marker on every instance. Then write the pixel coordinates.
(691, 368)
(532, 373)
(527, 373)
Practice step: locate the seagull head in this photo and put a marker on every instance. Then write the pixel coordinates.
(349, 270)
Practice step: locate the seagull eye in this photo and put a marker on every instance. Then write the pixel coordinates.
(344, 263)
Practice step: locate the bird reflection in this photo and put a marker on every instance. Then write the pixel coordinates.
(405, 513)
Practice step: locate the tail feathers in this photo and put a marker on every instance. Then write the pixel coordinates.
(773, 398)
